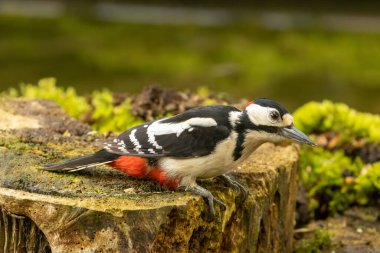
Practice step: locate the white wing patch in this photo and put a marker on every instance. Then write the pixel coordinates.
(201, 122)
(158, 128)
(151, 136)
(134, 140)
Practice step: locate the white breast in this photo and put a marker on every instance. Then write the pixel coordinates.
(215, 164)
(252, 141)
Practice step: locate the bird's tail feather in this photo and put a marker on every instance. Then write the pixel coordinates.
(82, 162)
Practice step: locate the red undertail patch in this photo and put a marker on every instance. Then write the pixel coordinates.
(161, 176)
(132, 165)
(138, 167)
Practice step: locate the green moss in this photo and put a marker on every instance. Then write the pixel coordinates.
(337, 117)
(11, 142)
(333, 180)
(74, 105)
(320, 242)
(108, 117)
(323, 174)
(100, 106)
(368, 184)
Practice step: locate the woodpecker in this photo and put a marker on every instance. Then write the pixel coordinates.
(200, 143)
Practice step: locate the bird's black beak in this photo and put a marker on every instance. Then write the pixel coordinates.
(295, 134)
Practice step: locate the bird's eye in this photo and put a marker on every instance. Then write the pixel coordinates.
(274, 116)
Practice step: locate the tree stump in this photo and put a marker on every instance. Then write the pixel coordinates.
(102, 210)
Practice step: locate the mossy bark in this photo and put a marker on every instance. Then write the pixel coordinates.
(102, 210)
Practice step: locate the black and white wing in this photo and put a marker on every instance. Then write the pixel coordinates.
(191, 134)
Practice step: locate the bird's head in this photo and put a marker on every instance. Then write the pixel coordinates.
(273, 121)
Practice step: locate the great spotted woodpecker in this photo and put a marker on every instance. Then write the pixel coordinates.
(203, 142)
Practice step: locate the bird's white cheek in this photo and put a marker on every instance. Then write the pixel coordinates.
(258, 114)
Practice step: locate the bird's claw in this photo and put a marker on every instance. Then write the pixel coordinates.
(223, 206)
(242, 191)
(210, 198)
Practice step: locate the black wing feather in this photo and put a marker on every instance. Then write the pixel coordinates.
(199, 142)
(193, 142)
(99, 157)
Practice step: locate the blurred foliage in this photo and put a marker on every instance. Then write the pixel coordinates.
(323, 175)
(242, 59)
(74, 105)
(320, 242)
(328, 116)
(368, 184)
(333, 180)
(104, 115)
(107, 117)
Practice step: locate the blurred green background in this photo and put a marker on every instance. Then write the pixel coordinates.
(293, 53)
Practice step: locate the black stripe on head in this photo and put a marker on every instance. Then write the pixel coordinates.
(266, 102)
(242, 128)
(239, 145)
(246, 124)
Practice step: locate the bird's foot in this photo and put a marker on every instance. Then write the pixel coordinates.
(198, 190)
(242, 191)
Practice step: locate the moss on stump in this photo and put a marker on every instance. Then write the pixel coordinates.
(102, 210)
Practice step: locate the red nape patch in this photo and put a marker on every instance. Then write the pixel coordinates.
(252, 102)
(159, 175)
(132, 165)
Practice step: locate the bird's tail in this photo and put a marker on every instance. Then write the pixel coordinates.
(82, 162)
